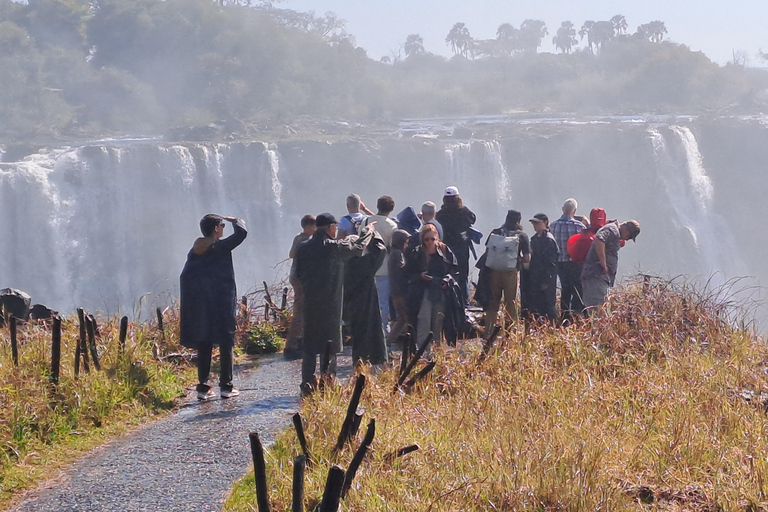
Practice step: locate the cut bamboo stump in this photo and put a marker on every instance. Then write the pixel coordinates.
(416, 378)
(359, 456)
(346, 427)
(82, 345)
(489, 343)
(415, 360)
(13, 324)
(298, 424)
(160, 326)
(55, 349)
(260, 472)
(123, 332)
(332, 493)
(299, 465)
(91, 330)
(390, 457)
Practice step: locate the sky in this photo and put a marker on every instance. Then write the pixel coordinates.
(718, 28)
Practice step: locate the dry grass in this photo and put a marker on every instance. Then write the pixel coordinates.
(640, 407)
(42, 426)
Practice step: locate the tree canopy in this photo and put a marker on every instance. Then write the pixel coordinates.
(75, 68)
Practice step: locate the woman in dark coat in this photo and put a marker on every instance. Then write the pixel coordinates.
(364, 314)
(209, 301)
(456, 220)
(320, 268)
(426, 267)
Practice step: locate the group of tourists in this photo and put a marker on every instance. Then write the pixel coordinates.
(366, 276)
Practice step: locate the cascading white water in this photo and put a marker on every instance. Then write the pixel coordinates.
(690, 192)
(478, 169)
(274, 165)
(102, 226)
(495, 160)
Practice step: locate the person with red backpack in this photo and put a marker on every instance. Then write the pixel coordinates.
(579, 244)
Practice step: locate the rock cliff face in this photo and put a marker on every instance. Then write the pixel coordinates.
(103, 224)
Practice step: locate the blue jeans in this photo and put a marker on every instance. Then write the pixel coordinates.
(382, 288)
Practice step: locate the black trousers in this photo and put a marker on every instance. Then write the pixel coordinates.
(309, 363)
(544, 302)
(571, 293)
(204, 367)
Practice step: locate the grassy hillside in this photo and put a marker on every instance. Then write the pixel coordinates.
(656, 401)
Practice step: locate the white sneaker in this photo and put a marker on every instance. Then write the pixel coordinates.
(206, 395)
(229, 393)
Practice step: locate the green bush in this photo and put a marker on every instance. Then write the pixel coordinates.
(264, 338)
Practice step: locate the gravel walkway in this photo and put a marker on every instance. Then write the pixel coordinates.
(186, 462)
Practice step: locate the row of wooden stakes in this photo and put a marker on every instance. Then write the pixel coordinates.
(339, 482)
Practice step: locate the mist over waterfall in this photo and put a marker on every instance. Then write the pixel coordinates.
(101, 226)
(691, 193)
(104, 224)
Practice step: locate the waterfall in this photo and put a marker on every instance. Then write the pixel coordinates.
(274, 166)
(478, 168)
(101, 226)
(690, 192)
(495, 160)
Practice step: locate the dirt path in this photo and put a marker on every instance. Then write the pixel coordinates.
(185, 462)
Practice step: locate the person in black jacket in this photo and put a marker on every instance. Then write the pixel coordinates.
(543, 271)
(456, 220)
(320, 268)
(426, 267)
(209, 300)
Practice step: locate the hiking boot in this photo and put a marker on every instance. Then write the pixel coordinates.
(229, 393)
(206, 395)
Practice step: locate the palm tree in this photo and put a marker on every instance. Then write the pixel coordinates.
(658, 29)
(414, 45)
(619, 23)
(565, 39)
(586, 30)
(459, 40)
(653, 31)
(600, 33)
(507, 36)
(531, 33)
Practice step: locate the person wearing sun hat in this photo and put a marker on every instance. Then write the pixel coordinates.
(456, 220)
(602, 262)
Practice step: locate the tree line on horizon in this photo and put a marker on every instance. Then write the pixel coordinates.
(79, 68)
(528, 37)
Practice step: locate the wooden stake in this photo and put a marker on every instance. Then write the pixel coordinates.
(123, 332)
(14, 342)
(359, 455)
(298, 424)
(390, 457)
(83, 348)
(89, 326)
(415, 360)
(332, 493)
(260, 472)
(297, 504)
(424, 371)
(346, 427)
(56, 349)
